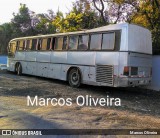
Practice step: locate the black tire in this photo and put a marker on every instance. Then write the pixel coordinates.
(74, 78)
(19, 69)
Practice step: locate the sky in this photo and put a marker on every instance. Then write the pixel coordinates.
(7, 7)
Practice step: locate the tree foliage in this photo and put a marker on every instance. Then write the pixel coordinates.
(142, 12)
(5, 36)
(148, 15)
(22, 22)
(81, 16)
(84, 14)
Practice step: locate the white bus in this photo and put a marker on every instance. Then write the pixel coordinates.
(117, 55)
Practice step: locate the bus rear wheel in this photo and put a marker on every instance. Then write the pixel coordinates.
(19, 69)
(74, 78)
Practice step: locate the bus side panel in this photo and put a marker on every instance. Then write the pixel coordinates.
(20, 56)
(31, 63)
(58, 57)
(81, 58)
(11, 64)
(31, 68)
(86, 74)
(43, 57)
(54, 71)
(123, 61)
(24, 66)
(31, 56)
(122, 80)
(42, 69)
(43, 60)
(64, 69)
(107, 58)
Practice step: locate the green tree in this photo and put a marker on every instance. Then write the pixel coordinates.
(58, 22)
(5, 36)
(145, 13)
(148, 15)
(23, 23)
(82, 16)
(90, 18)
(115, 11)
(100, 7)
(44, 26)
(72, 22)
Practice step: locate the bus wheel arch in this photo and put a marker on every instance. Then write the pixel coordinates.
(74, 76)
(18, 68)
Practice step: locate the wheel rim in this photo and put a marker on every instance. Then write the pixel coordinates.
(75, 78)
(18, 70)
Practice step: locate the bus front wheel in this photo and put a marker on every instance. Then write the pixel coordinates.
(74, 78)
(19, 69)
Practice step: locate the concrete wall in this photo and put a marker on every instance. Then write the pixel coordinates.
(155, 73)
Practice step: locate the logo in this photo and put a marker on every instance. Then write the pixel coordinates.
(6, 132)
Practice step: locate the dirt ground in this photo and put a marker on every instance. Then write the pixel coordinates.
(140, 108)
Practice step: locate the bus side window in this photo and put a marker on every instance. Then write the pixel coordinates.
(108, 42)
(39, 44)
(17, 45)
(12, 49)
(49, 43)
(83, 42)
(65, 43)
(24, 45)
(73, 43)
(44, 44)
(34, 44)
(95, 41)
(59, 43)
(21, 45)
(28, 45)
(53, 41)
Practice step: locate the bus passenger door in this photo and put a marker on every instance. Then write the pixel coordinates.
(11, 55)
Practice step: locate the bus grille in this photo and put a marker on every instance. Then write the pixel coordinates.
(104, 74)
